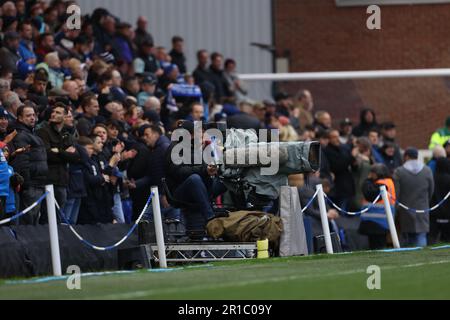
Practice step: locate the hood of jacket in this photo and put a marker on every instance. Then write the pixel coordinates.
(413, 166)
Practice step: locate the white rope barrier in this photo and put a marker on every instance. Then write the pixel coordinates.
(24, 212)
(118, 243)
(353, 213)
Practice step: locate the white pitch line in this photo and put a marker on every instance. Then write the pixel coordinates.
(152, 292)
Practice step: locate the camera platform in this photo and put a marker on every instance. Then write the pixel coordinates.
(146, 255)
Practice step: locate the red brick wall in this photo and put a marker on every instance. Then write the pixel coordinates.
(323, 37)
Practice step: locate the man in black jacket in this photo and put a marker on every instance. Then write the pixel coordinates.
(137, 173)
(87, 120)
(192, 183)
(9, 55)
(158, 145)
(31, 165)
(60, 151)
(177, 54)
(340, 159)
(217, 77)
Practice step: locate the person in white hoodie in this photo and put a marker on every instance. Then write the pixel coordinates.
(414, 185)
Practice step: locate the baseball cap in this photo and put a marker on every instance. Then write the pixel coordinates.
(11, 35)
(346, 121)
(149, 77)
(3, 113)
(412, 153)
(281, 96)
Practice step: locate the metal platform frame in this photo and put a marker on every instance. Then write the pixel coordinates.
(206, 252)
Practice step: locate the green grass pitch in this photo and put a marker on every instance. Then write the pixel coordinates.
(423, 274)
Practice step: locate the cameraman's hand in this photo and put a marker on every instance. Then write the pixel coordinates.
(212, 170)
(332, 214)
(165, 204)
(71, 149)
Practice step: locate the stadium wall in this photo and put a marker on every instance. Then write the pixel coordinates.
(323, 37)
(215, 25)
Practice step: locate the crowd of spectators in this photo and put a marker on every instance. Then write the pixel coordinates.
(90, 111)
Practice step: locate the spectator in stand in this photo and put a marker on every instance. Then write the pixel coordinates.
(3, 123)
(340, 159)
(137, 173)
(146, 61)
(123, 43)
(259, 111)
(177, 53)
(87, 120)
(440, 219)
(61, 151)
(11, 103)
(245, 119)
(323, 136)
(306, 190)
(148, 87)
(158, 145)
(45, 45)
(196, 112)
(372, 224)
(360, 169)
(389, 134)
(26, 47)
(284, 103)
(71, 87)
(9, 53)
(237, 88)
(305, 103)
(104, 32)
(390, 159)
(374, 137)
(108, 160)
(201, 73)
(438, 152)
(414, 184)
(308, 133)
(141, 32)
(96, 207)
(37, 92)
(345, 131)
(153, 104)
(217, 78)
(440, 136)
(31, 163)
(53, 66)
(322, 121)
(131, 86)
(21, 88)
(367, 122)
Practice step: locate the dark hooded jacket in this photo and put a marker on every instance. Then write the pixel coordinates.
(363, 128)
(31, 165)
(442, 187)
(97, 206)
(58, 162)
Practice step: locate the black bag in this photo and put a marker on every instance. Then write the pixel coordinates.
(320, 247)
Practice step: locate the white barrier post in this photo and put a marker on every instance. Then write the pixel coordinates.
(324, 218)
(159, 228)
(53, 230)
(390, 217)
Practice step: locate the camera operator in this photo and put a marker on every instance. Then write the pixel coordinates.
(195, 184)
